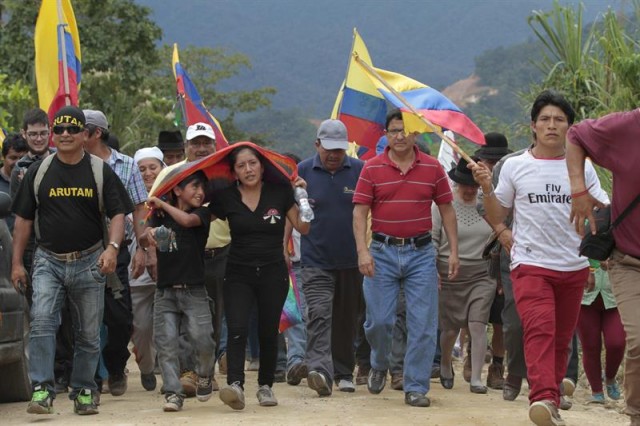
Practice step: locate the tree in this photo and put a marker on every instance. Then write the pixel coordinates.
(596, 67)
(124, 73)
(17, 95)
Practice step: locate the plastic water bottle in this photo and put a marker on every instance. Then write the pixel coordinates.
(163, 235)
(302, 198)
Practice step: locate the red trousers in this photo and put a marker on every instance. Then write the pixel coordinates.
(595, 322)
(548, 303)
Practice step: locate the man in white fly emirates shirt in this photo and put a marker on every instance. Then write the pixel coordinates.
(547, 272)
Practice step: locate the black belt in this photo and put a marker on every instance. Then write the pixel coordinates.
(210, 253)
(74, 255)
(419, 241)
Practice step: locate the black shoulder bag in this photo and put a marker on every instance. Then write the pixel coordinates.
(600, 245)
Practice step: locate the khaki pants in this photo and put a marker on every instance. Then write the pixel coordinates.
(624, 272)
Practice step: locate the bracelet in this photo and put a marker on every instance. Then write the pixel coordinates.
(580, 194)
(490, 193)
(143, 248)
(501, 231)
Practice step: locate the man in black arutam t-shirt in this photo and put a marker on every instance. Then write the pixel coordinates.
(70, 259)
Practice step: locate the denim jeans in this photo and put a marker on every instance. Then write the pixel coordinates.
(399, 339)
(81, 282)
(415, 268)
(297, 335)
(191, 307)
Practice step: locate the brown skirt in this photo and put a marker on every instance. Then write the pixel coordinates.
(466, 299)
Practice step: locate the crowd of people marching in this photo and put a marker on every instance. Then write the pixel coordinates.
(399, 258)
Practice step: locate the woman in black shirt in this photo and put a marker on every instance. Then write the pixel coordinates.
(256, 270)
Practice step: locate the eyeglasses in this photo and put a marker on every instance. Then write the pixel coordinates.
(72, 130)
(395, 132)
(200, 143)
(35, 135)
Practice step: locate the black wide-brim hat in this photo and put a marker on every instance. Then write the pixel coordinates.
(462, 174)
(496, 147)
(169, 140)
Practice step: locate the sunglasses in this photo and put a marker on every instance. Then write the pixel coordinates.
(72, 130)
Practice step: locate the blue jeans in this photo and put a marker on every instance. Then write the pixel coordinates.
(82, 283)
(297, 335)
(415, 269)
(191, 306)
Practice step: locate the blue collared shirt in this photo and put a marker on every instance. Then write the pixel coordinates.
(330, 243)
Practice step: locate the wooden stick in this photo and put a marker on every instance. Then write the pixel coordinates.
(369, 69)
(63, 46)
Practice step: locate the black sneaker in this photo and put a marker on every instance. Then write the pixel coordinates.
(416, 399)
(173, 402)
(41, 401)
(204, 389)
(84, 404)
(117, 384)
(318, 382)
(296, 373)
(148, 381)
(376, 381)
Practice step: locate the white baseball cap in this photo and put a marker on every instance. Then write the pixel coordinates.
(200, 129)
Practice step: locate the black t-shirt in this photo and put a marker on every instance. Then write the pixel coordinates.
(68, 210)
(256, 237)
(184, 262)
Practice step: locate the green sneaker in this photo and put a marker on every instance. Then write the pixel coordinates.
(41, 401)
(84, 404)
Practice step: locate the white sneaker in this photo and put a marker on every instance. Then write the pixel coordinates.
(266, 398)
(568, 386)
(346, 386)
(545, 413)
(233, 396)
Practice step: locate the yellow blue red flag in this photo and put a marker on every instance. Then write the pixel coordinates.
(58, 60)
(194, 110)
(430, 103)
(359, 105)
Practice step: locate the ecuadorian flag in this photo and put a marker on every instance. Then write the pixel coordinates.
(359, 105)
(194, 109)
(56, 42)
(430, 103)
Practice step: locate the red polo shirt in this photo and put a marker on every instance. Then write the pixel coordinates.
(401, 202)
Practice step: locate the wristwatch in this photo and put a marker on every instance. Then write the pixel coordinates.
(115, 245)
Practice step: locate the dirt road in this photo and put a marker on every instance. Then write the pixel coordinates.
(299, 405)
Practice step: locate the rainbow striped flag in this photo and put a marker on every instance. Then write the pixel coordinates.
(291, 314)
(57, 44)
(192, 105)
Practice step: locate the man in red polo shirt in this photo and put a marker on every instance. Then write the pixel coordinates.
(398, 187)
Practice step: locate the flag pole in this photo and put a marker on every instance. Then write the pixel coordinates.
(369, 69)
(63, 46)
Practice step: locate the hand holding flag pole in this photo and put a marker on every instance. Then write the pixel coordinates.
(370, 70)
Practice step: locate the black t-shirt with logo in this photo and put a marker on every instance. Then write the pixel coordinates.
(68, 210)
(256, 236)
(183, 263)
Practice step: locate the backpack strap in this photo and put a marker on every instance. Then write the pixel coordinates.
(42, 170)
(97, 167)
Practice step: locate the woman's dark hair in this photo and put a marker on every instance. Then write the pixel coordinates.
(550, 97)
(233, 155)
